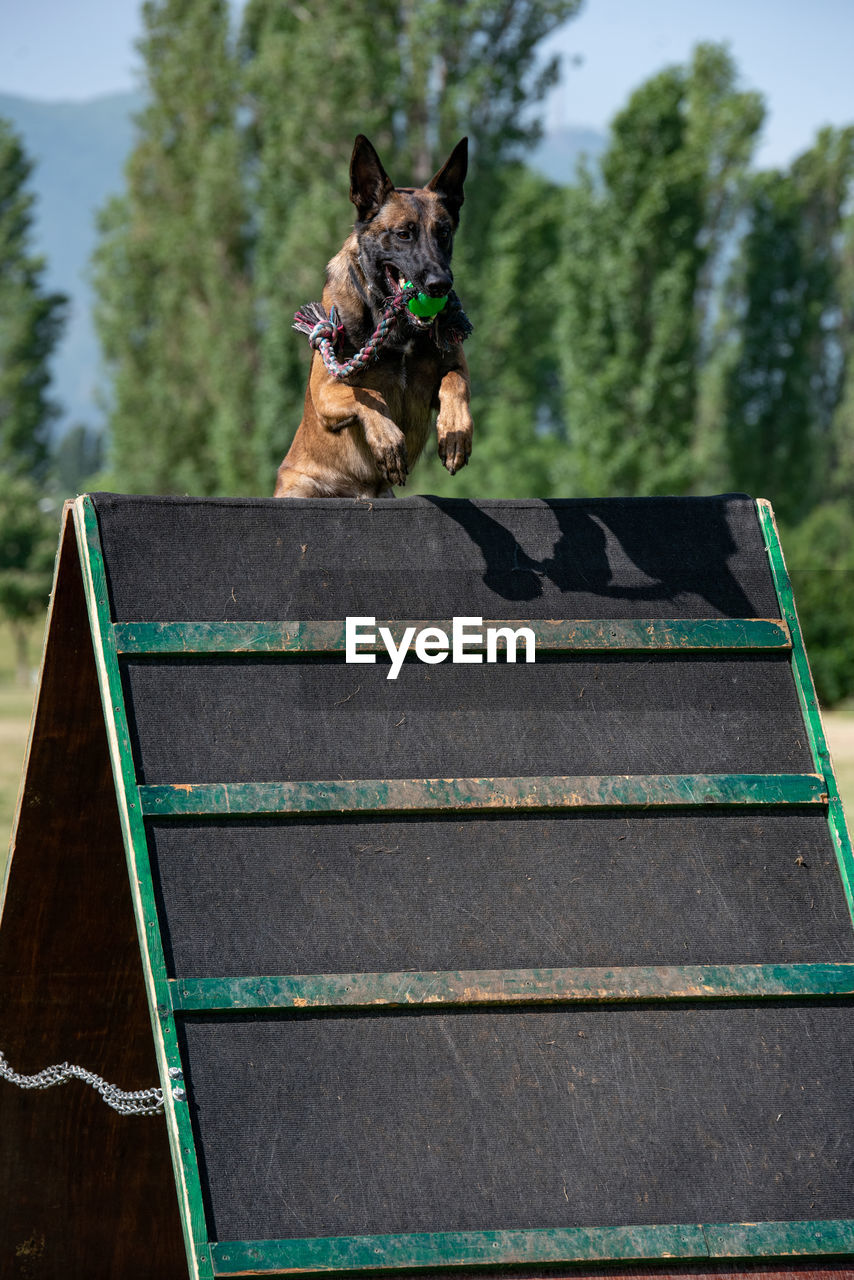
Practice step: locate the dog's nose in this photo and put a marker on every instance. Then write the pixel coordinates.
(438, 284)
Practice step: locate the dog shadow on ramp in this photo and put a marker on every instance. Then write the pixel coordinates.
(618, 550)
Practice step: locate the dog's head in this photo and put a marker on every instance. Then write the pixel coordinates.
(406, 233)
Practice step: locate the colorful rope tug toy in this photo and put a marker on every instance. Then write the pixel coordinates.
(444, 316)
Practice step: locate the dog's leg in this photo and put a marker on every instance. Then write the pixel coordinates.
(454, 424)
(340, 406)
(294, 484)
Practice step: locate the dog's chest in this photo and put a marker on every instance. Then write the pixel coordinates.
(411, 387)
(409, 358)
(415, 371)
(404, 364)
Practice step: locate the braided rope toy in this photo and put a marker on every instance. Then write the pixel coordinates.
(449, 323)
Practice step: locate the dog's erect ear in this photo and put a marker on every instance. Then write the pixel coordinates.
(370, 185)
(448, 182)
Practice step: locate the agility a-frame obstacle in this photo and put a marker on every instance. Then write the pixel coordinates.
(544, 968)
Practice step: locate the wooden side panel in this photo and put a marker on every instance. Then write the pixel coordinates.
(84, 1192)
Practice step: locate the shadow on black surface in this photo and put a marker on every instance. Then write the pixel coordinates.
(617, 550)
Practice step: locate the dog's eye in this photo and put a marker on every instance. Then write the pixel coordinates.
(404, 233)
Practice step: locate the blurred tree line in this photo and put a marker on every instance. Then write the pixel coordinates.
(670, 321)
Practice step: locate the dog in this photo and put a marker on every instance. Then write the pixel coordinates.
(359, 437)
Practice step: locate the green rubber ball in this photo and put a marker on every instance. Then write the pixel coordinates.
(424, 306)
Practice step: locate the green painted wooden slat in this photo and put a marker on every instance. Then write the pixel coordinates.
(459, 795)
(809, 702)
(832, 1238)
(179, 1127)
(568, 1245)
(444, 988)
(552, 635)
(458, 1249)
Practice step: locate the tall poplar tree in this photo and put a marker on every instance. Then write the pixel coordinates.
(30, 325)
(31, 321)
(515, 352)
(641, 243)
(792, 320)
(841, 480)
(313, 78)
(174, 310)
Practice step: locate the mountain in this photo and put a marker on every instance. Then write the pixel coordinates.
(79, 150)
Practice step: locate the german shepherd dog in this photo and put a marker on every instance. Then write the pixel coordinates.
(359, 437)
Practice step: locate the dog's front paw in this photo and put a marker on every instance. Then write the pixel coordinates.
(454, 447)
(388, 447)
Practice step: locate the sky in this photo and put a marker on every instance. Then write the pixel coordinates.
(798, 53)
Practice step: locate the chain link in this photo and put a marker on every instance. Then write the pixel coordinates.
(141, 1102)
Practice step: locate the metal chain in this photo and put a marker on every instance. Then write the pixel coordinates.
(141, 1102)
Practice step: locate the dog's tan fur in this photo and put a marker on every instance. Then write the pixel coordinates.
(358, 438)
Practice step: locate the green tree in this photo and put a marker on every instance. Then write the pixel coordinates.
(515, 351)
(791, 317)
(642, 242)
(31, 321)
(30, 324)
(174, 310)
(841, 478)
(313, 79)
(820, 558)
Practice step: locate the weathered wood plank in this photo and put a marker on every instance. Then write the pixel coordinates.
(451, 1250)
(553, 635)
(444, 988)
(832, 1238)
(460, 795)
(457, 1249)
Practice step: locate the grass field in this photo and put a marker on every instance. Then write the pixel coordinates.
(16, 705)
